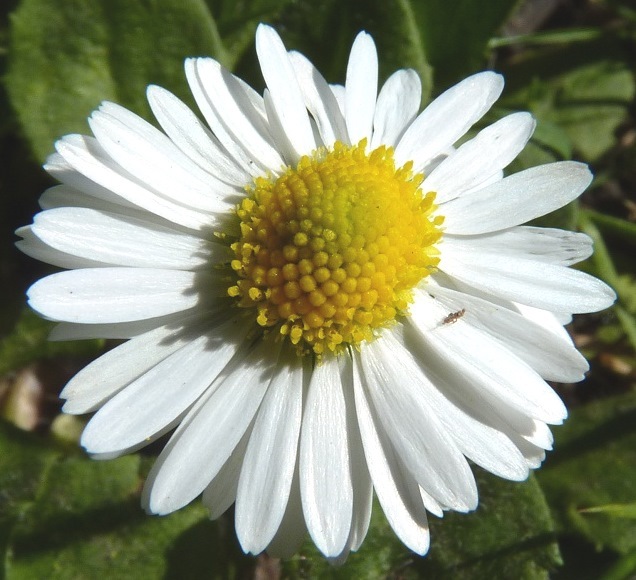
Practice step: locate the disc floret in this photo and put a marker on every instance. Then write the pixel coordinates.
(330, 250)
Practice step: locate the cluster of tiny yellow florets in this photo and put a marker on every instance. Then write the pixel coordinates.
(331, 250)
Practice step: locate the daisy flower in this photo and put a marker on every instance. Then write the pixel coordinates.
(323, 296)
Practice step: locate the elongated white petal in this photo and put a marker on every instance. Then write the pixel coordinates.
(77, 189)
(153, 158)
(124, 241)
(241, 119)
(292, 531)
(101, 295)
(553, 246)
(552, 321)
(361, 88)
(360, 477)
(500, 377)
(86, 156)
(394, 487)
(280, 77)
(325, 476)
(117, 368)
(476, 161)
(285, 146)
(198, 86)
(160, 396)
(415, 432)
(34, 247)
(192, 137)
(320, 101)
(447, 118)
(483, 444)
(124, 330)
(397, 106)
(517, 199)
(210, 433)
(532, 282)
(220, 493)
(270, 460)
(549, 354)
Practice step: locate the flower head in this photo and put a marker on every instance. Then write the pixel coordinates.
(322, 295)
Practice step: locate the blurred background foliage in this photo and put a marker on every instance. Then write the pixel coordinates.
(569, 62)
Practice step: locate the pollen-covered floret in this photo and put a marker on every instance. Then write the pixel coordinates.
(330, 250)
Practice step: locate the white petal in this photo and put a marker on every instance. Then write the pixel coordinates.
(491, 372)
(77, 189)
(320, 101)
(151, 404)
(534, 455)
(270, 460)
(280, 78)
(554, 322)
(476, 161)
(431, 504)
(532, 282)
(394, 488)
(285, 146)
(209, 434)
(476, 399)
(241, 120)
(192, 137)
(124, 330)
(98, 295)
(361, 88)
(220, 494)
(112, 371)
(292, 531)
(482, 444)
(414, 430)
(87, 157)
(360, 477)
(325, 476)
(124, 241)
(34, 247)
(550, 245)
(339, 92)
(551, 355)
(193, 67)
(397, 106)
(516, 199)
(153, 159)
(447, 118)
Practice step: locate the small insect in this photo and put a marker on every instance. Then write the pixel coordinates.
(454, 316)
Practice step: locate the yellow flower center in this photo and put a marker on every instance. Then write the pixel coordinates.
(330, 251)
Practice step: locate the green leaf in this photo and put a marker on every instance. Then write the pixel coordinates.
(625, 308)
(23, 461)
(586, 91)
(594, 463)
(381, 555)
(237, 21)
(617, 227)
(624, 568)
(392, 23)
(449, 38)
(69, 517)
(566, 36)
(28, 342)
(509, 536)
(66, 56)
(456, 34)
(615, 510)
